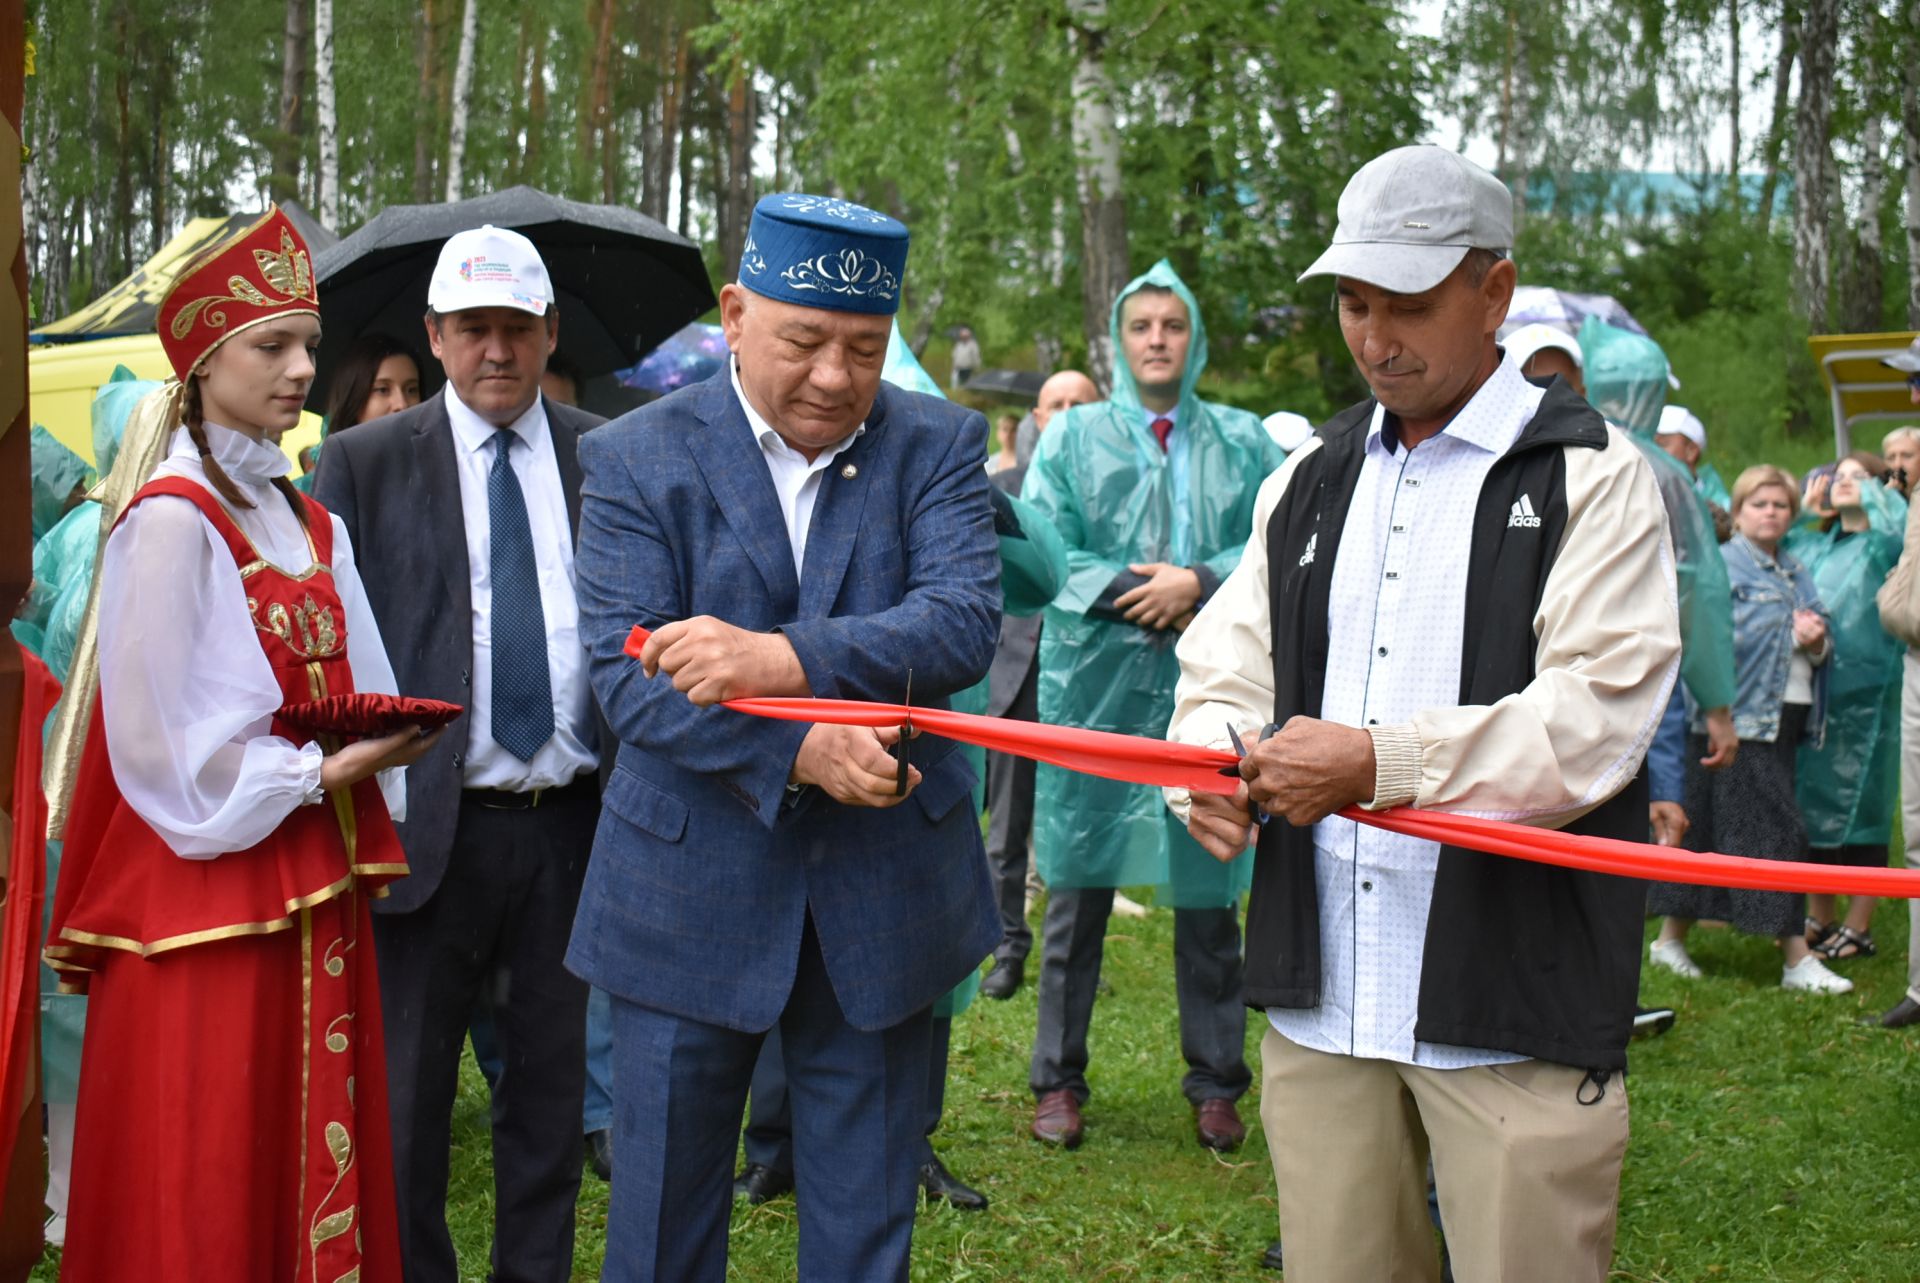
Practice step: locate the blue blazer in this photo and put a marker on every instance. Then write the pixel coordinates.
(704, 866)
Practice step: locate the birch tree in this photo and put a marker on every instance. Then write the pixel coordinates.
(462, 100)
(327, 114)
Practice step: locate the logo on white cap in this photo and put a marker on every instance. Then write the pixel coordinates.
(490, 267)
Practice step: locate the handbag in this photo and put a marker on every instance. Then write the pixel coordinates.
(1899, 596)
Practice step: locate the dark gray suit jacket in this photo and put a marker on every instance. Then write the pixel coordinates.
(1019, 644)
(394, 484)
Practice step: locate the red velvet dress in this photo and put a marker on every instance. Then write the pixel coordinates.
(232, 1118)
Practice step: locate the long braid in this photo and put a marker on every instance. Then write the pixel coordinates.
(192, 419)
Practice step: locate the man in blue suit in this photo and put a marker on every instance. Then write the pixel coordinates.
(789, 527)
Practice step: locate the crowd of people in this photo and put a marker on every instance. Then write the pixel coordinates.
(1507, 583)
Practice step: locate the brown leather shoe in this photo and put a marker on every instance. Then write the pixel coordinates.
(1056, 1119)
(1219, 1125)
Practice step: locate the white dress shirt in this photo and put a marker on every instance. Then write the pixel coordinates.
(1394, 633)
(795, 478)
(187, 694)
(569, 753)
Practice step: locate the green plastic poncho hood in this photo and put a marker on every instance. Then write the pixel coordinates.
(1125, 391)
(1626, 375)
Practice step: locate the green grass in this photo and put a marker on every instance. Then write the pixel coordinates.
(1774, 1138)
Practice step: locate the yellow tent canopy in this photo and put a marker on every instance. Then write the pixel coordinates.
(63, 378)
(1862, 388)
(132, 306)
(72, 357)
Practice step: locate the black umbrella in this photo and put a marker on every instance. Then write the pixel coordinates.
(1007, 385)
(621, 281)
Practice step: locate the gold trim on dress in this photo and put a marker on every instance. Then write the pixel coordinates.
(207, 936)
(254, 567)
(306, 1059)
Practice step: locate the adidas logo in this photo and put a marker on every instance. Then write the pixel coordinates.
(1523, 515)
(1306, 558)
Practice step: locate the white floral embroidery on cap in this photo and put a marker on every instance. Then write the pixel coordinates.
(833, 208)
(846, 271)
(752, 262)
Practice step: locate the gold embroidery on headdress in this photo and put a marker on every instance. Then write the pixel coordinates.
(289, 272)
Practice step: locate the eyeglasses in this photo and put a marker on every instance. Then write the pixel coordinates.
(1913, 381)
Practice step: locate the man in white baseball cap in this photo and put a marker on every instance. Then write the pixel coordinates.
(463, 509)
(1542, 351)
(1459, 595)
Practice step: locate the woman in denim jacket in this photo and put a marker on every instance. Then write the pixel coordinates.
(1780, 650)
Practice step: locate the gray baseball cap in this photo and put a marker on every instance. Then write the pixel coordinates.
(1410, 215)
(1908, 362)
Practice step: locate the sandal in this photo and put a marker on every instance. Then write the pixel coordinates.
(1846, 943)
(1819, 936)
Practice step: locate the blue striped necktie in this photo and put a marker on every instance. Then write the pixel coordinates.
(522, 684)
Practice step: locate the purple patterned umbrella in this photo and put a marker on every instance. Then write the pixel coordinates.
(688, 356)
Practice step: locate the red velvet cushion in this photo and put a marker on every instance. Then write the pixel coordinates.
(367, 714)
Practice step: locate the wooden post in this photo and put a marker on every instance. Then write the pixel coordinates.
(22, 1206)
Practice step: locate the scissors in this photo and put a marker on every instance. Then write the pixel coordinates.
(901, 752)
(1233, 772)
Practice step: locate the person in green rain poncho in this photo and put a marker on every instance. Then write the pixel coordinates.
(60, 479)
(1627, 378)
(1153, 492)
(57, 481)
(63, 555)
(1851, 529)
(1033, 566)
(63, 561)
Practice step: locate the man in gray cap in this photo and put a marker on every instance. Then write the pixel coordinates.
(1459, 595)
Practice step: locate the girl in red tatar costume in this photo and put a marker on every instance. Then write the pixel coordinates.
(232, 1118)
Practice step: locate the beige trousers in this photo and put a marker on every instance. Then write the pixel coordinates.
(1529, 1177)
(1910, 806)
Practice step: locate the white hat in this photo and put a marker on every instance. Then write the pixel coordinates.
(1410, 215)
(1908, 362)
(1677, 420)
(1288, 430)
(1529, 341)
(489, 267)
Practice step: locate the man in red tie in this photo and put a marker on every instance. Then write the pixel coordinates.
(1153, 491)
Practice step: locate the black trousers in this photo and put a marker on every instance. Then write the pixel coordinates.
(1010, 824)
(494, 932)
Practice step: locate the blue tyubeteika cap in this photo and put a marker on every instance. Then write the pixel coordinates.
(819, 251)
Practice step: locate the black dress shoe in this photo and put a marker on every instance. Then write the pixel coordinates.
(758, 1183)
(1004, 980)
(600, 1153)
(1270, 1259)
(940, 1183)
(1906, 1012)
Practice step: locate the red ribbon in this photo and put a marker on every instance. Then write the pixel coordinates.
(1139, 760)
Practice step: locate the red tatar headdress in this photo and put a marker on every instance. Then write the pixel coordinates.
(260, 275)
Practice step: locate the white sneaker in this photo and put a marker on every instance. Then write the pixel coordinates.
(1672, 954)
(1811, 974)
